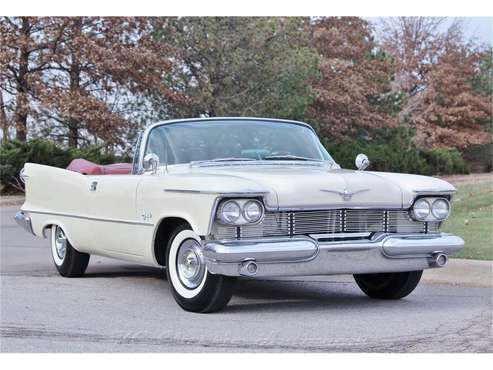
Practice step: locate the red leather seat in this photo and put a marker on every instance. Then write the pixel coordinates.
(88, 168)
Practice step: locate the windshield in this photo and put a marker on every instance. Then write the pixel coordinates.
(186, 142)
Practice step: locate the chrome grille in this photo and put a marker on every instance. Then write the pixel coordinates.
(327, 222)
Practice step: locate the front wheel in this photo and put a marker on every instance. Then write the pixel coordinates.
(394, 285)
(68, 261)
(193, 287)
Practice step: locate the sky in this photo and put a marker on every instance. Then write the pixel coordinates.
(480, 28)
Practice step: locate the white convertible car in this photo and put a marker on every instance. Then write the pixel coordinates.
(218, 198)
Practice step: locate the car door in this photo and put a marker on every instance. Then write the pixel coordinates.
(119, 231)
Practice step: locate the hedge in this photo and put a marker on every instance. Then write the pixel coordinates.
(14, 154)
(394, 151)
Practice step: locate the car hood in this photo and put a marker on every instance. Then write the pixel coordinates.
(307, 187)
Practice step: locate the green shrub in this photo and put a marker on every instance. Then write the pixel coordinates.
(14, 154)
(394, 151)
(444, 161)
(480, 157)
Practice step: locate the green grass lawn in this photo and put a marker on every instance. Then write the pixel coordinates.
(472, 219)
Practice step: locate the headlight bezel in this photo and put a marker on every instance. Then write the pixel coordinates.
(242, 219)
(431, 216)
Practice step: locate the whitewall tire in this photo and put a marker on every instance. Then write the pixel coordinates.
(193, 287)
(183, 283)
(68, 261)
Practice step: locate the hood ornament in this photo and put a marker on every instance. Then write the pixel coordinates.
(346, 195)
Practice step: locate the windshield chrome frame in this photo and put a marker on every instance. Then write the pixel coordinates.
(138, 168)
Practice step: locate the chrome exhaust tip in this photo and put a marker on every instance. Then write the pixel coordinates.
(439, 259)
(248, 268)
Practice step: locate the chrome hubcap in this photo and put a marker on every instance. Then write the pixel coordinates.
(60, 243)
(190, 264)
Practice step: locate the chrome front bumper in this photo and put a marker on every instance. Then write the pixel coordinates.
(24, 221)
(300, 256)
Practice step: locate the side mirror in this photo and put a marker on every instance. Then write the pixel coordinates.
(151, 162)
(361, 162)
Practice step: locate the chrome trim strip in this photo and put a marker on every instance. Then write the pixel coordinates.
(91, 218)
(340, 235)
(218, 192)
(333, 206)
(434, 191)
(179, 120)
(123, 253)
(208, 164)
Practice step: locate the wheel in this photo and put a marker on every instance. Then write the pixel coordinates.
(193, 287)
(68, 261)
(390, 285)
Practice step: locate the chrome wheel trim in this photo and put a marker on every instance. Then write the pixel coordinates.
(172, 266)
(60, 243)
(190, 265)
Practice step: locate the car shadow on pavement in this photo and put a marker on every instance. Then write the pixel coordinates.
(252, 295)
(113, 271)
(277, 296)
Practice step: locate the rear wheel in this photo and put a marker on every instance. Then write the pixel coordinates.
(193, 287)
(68, 261)
(394, 285)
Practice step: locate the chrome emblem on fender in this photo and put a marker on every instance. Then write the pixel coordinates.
(346, 195)
(146, 215)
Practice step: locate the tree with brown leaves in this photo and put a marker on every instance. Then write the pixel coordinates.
(452, 113)
(436, 69)
(22, 61)
(354, 87)
(415, 43)
(89, 66)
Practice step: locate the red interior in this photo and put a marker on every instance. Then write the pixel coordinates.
(88, 168)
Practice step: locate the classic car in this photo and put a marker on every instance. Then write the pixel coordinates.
(214, 199)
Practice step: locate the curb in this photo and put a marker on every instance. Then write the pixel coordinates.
(473, 273)
(11, 200)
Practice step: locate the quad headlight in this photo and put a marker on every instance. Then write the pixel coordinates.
(431, 209)
(440, 209)
(240, 211)
(253, 211)
(229, 212)
(421, 209)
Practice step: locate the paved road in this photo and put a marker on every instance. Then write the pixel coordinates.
(120, 307)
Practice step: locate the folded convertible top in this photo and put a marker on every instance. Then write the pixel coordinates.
(89, 168)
